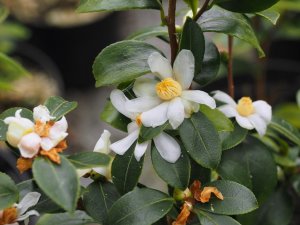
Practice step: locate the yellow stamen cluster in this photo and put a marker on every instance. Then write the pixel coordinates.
(138, 120)
(168, 89)
(245, 106)
(9, 216)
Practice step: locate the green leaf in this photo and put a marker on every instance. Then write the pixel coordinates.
(45, 205)
(295, 180)
(10, 31)
(207, 218)
(116, 5)
(10, 70)
(148, 133)
(26, 113)
(59, 182)
(192, 38)
(148, 32)
(140, 207)
(222, 21)
(278, 210)
(252, 165)
(98, 200)
(175, 174)
(59, 107)
(193, 4)
(246, 6)
(220, 121)
(126, 170)
(78, 218)
(210, 65)
(270, 15)
(285, 129)
(237, 199)
(89, 160)
(112, 116)
(3, 130)
(201, 140)
(9, 193)
(122, 62)
(234, 138)
(199, 173)
(289, 112)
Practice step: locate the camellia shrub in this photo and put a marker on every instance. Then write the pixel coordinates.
(225, 160)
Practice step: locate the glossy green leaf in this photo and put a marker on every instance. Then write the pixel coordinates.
(246, 6)
(10, 70)
(232, 139)
(116, 5)
(270, 15)
(122, 62)
(148, 32)
(192, 38)
(222, 21)
(278, 210)
(210, 65)
(201, 140)
(285, 129)
(175, 174)
(207, 218)
(9, 193)
(45, 205)
(140, 207)
(78, 218)
(220, 121)
(98, 199)
(111, 116)
(126, 171)
(59, 107)
(148, 133)
(199, 173)
(252, 165)
(89, 160)
(237, 199)
(59, 182)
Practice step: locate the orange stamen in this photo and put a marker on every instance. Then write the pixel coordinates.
(9, 216)
(24, 164)
(204, 195)
(43, 129)
(184, 214)
(52, 154)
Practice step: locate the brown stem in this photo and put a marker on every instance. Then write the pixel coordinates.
(230, 71)
(202, 10)
(172, 29)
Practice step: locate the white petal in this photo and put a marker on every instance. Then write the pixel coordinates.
(244, 122)
(140, 149)
(103, 143)
(258, 123)
(60, 126)
(82, 172)
(156, 116)
(176, 113)
(121, 146)
(16, 130)
(263, 109)
(29, 145)
(145, 86)
(131, 127)
(189, 107)
(200, 97)
(184, 68)
(142, 104)
(160, 66)
(42, 113)
(228, 110)
(29, 200)
(105, 171)
(167, 147)
(223, 97)
(28, 214)
(118, 100)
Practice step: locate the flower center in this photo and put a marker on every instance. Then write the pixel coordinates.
(245, 106)
(168, 89)
(138, 120)
(9, 216)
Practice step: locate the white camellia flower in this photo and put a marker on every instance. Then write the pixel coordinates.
(21, 132)
(166, 145)
(171, 98)
(101, 146)
(249, 115)
(17, 128)
(19, 211)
